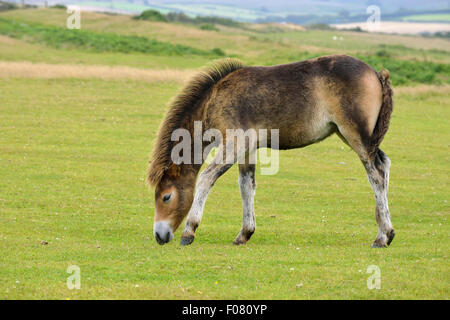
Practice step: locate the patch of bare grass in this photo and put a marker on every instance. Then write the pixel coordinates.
(423, 88)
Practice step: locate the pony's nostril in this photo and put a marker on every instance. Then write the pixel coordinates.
(162, 232)
(163, 239)
(167, 237)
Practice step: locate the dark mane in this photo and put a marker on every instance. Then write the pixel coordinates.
(183, 104)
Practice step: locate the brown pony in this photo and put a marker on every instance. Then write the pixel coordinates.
(306, 101)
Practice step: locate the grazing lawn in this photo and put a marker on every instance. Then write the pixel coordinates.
(74, 152)
(73, 161)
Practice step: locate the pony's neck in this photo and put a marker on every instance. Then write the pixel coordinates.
(189, 124)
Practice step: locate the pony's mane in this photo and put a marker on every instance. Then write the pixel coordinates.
(184, 103)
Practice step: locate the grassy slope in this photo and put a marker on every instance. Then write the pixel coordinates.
(251, 46)
(58, 37)
(408, 63)
(73, 155)
(15, 50)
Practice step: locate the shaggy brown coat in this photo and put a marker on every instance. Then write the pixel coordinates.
(306, 101)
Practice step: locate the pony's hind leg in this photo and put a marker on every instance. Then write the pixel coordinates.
(247, 185)
(378, 174)
(377, 166)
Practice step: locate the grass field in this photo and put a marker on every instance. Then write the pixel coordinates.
(74, 148)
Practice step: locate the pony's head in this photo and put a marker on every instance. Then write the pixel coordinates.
(173, 198)
(174, 184)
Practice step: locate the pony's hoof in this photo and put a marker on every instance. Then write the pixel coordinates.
(239, 242)
(381, 243)
(243, 237)
(185, 241)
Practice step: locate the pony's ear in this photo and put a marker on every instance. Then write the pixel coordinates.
(174, 171)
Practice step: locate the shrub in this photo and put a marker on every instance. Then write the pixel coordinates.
(154, 15)
(179, 17)
(319, 26)
(383, 53)
(208, 26)
(151, 15)
(405, 71)
(59, 6)
(217, 20)
(218, 52)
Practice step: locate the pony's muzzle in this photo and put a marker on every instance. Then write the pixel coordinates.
(162, 232)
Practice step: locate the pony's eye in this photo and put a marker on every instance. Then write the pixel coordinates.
(167, 197)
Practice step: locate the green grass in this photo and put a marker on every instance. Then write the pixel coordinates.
(406, 72)
(73, 156)
(73, 167)
(23, 51)
(98, 42)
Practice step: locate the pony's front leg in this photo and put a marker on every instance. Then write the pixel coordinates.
(204, 184)
(247, 185)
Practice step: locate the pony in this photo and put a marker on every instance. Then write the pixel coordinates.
(306, 101)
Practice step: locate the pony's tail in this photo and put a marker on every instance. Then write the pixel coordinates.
(384, 116)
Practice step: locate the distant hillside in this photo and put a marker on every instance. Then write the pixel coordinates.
(294, 11)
